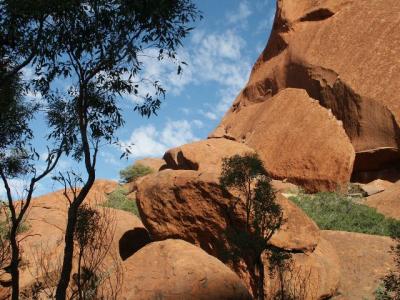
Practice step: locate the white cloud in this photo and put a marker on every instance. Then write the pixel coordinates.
(241, 14)
(220, 58)
(109, 158)
(177, 133)
(148, 141)
(17, 187)
(209, 115)
(223, 45)
(198, 123)
(213, 57)
(185, 110)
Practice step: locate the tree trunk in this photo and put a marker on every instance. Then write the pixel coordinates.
(14, 266)
(79, 274)
(260, 274)
(66, 270)
(61, 292)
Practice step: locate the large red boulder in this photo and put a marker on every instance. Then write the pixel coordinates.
(192, 206)
(296, 138)
(174, 269)
(314, 275)
(153, 163)
(205, 155)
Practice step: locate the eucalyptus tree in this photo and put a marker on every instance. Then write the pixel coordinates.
(99, 47)
(247, 176)
(22, 27)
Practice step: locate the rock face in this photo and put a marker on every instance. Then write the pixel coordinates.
(296, 138)
(152, 163)
(364, 260)
(350, 67)
(174, 269)
(386, 202)
(191, 206)
(376, 186)
(203, 155)
(311, 276)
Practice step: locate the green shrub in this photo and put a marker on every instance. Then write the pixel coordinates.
(132, 173)
(337, 212)
(118, 199)
(5, 225)
(381, 293)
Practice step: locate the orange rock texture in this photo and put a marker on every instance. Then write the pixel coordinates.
(344, 54)
(297, 139)
(364, 259)
(204, 155)
(174, 269)
(192, 206)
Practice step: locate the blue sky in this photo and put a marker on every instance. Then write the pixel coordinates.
(220, 53)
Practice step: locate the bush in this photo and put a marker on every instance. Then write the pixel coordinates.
(5, 225)
(337, 212)
(132, 173)
(118, 199)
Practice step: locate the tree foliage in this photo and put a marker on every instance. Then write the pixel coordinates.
(247, 176)
(97, 47)
(131, 173)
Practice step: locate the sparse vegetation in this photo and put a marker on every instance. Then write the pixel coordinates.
(381, 293)
(334, 211)
(98, 273)
(390, 286)
(5, 225)
(131, 173)
(118, 199)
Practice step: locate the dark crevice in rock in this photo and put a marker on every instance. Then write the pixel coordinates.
(181, 162)
(382, 163)
(276, 45)
(260, 90)
(391, 174)
(132, 241)
(185, 163)
(376, 159)
(317, 15)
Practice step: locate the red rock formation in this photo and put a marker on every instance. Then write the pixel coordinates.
(152, 163)
(191, 205)
(386, 202)
(204, 155)
(296, 138)
(313, 275)
(46, 221)
(343, 53)
(174, 269)
(364, 260)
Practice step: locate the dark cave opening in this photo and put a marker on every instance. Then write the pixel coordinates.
(381, 163)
